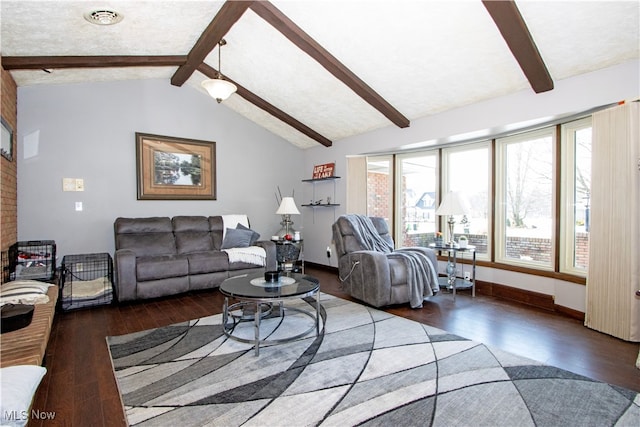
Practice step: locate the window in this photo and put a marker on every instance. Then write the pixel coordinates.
(524, 199)
(416, 199)
(576, 190)
(511, 185)
(467, 169)
(380, 188)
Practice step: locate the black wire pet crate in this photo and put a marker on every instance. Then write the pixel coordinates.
(86, 280)
(32, 260)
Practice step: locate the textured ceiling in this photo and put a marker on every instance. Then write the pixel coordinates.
(422, 57)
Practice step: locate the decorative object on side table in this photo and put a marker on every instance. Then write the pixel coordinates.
(463, 242)
(438, 238)
(453, 204)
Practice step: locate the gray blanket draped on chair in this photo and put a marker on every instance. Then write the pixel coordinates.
(423, 279)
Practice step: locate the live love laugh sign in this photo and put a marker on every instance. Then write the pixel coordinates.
(323, 171)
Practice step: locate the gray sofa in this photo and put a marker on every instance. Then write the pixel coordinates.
(161, 256)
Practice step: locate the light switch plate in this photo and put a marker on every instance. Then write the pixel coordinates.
(68, 184)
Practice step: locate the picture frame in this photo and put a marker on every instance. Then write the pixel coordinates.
(6, 140)
(171, 168)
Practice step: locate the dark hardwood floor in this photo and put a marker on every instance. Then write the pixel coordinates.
(80, 388)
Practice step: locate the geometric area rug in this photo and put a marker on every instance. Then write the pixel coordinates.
(366, 367)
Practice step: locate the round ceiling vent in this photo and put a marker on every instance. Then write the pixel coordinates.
(103, 17)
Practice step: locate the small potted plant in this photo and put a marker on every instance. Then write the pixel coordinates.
(438, 238)
(463, 241)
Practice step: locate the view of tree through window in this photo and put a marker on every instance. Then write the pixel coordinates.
(576, 185)
(467, 171)
(526, 229)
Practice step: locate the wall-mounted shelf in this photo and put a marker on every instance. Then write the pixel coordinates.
(320, 180)
(331, 178)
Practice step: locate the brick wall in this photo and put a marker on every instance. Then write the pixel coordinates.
(378, 193)
(8, 170)
(582, 250)
(517, 247)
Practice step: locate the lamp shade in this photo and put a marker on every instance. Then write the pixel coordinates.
(219, 89)
(454, 203)
(288, 207)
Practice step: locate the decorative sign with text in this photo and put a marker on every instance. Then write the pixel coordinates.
(323, 171)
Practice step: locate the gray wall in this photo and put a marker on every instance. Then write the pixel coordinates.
(88, 131)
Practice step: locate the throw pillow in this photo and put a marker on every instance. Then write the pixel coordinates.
(254, 237)
(19, 385)
(24, 292)
(235, 238)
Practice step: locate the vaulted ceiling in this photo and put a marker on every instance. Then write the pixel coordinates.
(314, 72)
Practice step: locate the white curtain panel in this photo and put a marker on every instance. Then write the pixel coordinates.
(357, 185)
(614, 241)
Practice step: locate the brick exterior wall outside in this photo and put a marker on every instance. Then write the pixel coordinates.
(8, 170)
(536, 249)
(582, 250)
(378, 194)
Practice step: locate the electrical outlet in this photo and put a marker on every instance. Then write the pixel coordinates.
(328, 251)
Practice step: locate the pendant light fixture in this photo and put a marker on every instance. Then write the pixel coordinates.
(219, 88)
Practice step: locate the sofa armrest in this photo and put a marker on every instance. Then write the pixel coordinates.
(270, 249)
(125, 275)
(366, 276)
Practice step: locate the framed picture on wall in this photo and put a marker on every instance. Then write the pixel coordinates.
(170, 168)
(6, 147)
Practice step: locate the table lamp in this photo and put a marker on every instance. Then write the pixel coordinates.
(453, 204)
(286, 209)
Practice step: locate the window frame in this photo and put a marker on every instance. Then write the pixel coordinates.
(399, 194)
(446, 153)
(567, 246)
(556, 267)
(500, 198)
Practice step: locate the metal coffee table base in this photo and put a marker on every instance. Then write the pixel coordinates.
(262, 309)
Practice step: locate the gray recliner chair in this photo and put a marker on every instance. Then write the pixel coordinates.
(377, 274)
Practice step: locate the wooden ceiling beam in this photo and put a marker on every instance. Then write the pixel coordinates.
(56, 62)
(228, 15)
(297, 36)
(514, 30)
(211, 72)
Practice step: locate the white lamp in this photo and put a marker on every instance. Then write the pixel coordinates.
(453, 204)
(218, 88)
(287, 208)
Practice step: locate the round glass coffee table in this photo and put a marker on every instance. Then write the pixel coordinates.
(259, 299)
